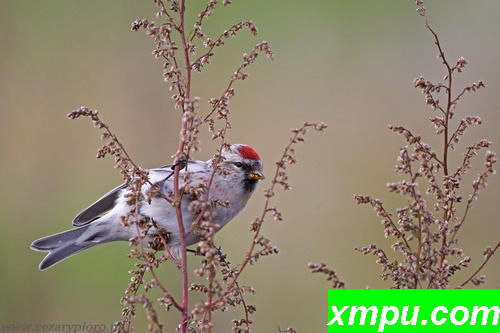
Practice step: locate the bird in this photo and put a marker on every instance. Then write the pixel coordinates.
(240, 172)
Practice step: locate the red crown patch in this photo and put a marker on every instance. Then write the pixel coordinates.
(248, 153)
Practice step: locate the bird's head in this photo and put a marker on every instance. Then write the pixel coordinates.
(243, 162)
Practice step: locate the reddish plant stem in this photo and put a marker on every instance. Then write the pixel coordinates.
(469, 202)
(209, 298)
(203, 319)
(138, 171)
(259, 226)
(459, 225)
(419, 216)
(245, 307)
(198, 23)
(182, 235)
(130, 314)
(480, 267)
(177, 194)
(215, 167)
(223, 141)
(445, 145)
(209, 311)
(136, 167)
(230, 84)
(149, 265)
(169, 252)
(211, 48)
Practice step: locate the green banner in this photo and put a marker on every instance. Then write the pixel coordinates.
(421, 310)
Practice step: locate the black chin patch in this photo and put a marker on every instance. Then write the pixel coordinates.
(249, 185)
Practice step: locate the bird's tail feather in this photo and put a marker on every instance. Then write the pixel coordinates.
(62, 245)
(58, 240)
(58, 255)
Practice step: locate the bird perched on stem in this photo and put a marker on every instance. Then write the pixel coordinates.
(101, 222)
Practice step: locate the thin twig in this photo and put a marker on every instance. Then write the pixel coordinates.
(260, 219)
(177, 204)
(446, 144)
(486, 259)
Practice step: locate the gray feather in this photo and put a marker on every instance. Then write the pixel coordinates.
(98, 208)
(62, 253)
(58, 240)
(65, 244)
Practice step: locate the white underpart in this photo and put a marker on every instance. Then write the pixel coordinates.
(225, 188)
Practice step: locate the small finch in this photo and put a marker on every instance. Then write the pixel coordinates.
(101, 222)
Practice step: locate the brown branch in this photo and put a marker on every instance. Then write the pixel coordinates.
(486, 259)
(412, 139)
(265, 210)
(136, 167)
(177, 203)
(446, 143)
(202, 15)
(149, 265)
(167, 249)
(219, 41)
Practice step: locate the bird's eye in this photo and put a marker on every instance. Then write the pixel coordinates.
(238, 164)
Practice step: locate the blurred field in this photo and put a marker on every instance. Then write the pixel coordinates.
(348, 63)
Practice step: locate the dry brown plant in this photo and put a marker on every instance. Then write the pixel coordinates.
(182, 53)
(427, 230)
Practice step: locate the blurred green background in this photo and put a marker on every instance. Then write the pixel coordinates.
(348, 63)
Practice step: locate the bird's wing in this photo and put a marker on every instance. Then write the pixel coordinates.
(158, 176)
(98, 208)
(163, 177)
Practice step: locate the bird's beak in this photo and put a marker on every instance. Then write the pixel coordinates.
(255, 175)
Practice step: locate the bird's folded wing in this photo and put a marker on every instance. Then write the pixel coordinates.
(157, 176)
(98, 208)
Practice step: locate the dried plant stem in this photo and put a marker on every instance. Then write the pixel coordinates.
(146, 260)
(149, 265)
(245, 307)
(235, 77)
(182, 235)
(462, 220)
(177, 194)
(130, 313)
(446, 132)
(114, 138)
(419, 235)
(169, 252)
(175, 48)
(485, 261)
(260, 220)
(435, 256)
(208, 312)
